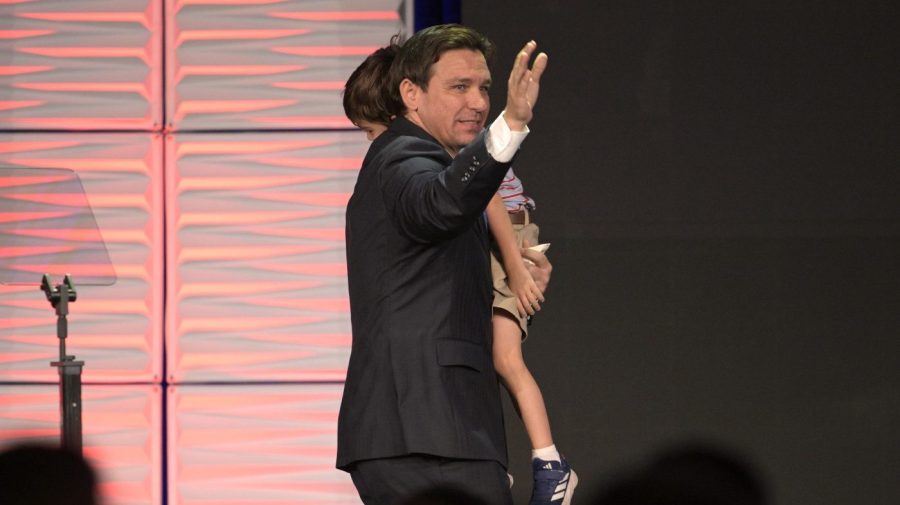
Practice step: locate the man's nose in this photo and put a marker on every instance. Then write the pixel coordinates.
(479, 100)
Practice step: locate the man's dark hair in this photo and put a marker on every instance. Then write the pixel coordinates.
(424, 49)
(366, 93)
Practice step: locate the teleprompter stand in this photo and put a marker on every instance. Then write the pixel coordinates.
(60, 296)
(47, 227)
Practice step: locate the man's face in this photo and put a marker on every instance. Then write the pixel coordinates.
(455, 106)
(373, 130)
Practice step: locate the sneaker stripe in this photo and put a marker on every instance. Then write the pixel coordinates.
(567, 499)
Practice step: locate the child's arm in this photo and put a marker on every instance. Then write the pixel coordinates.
(519, 279)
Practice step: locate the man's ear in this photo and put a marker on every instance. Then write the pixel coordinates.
(409, 93)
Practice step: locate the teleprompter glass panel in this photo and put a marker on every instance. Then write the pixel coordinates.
(47, 228)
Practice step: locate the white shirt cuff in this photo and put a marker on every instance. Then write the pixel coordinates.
(501, 142)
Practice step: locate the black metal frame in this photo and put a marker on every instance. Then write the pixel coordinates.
(60, 296)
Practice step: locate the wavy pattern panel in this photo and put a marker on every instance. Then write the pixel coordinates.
(116, 330)
(237, 222)
(81, 65)
(256, 286)
(252, 65)
(122, 439)
(265, 445)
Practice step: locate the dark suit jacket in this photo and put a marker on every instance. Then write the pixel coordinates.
(421, 378)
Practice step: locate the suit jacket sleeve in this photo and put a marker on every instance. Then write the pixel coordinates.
(432, 197)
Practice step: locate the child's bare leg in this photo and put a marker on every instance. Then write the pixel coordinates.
(522, 387)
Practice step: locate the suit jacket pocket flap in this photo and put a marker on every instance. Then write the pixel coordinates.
(454, 352)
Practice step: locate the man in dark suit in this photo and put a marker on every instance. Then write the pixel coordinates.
(421, 402)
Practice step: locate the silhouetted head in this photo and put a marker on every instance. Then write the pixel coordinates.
(45, 475)
(689, 474)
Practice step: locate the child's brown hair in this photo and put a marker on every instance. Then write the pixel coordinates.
(367, 94)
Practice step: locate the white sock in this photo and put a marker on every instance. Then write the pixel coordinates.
(548, 453)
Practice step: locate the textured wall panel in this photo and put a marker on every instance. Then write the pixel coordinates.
(256, 277)
(235, 445)
(86, 64)
(116, 330)
(255, 65)
(122, 434)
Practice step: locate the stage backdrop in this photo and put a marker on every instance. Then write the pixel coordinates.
(210, 141)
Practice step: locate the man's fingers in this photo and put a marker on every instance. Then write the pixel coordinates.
(540, 64)
(528, 50)
(520, 71)
(523, 86)
(521, 63)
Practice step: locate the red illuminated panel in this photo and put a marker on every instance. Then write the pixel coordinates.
(240, 444)
(121, 431)
(90, 64)
(256, 277)
(261, 64)
(116, 330)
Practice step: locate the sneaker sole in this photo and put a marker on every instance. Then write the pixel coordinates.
(570, 489)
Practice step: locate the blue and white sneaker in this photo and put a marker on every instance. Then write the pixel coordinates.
(554, 482)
